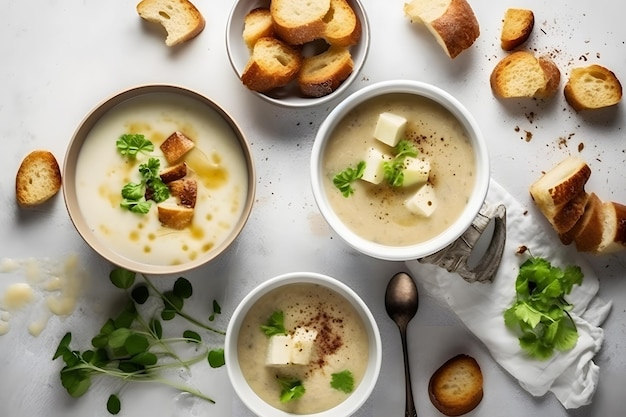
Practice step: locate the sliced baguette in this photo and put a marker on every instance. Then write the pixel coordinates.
(176, 146)
(592, 87)
(342, 27)
(517, 26)
(299, 21)
(257, 24)
(587, 232)
(456, 387)
(272, 64)
(613, 228)
(180, 18)
(452, 22)
(521, 74)
(567, 215)
(38, 178)
(321, 74)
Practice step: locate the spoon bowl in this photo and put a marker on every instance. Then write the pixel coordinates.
(401, 302)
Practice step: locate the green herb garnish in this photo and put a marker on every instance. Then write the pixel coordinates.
(394, 169)
(290, 389)
(343, 381)
(131, 346)
(345, 178)
(131, 144)
(134, 194)
(540, 313)
(275, 324)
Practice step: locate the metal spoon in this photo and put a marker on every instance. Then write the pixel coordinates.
(401, 303)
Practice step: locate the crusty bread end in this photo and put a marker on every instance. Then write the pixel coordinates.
(517, 26)
(456, 387)
(522, 75)
(180, 18)
(38, 178)
(592, 87)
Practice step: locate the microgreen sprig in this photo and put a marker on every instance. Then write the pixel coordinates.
(540, 314)
(394, 169)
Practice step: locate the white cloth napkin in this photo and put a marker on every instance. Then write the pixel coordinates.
(572, 376)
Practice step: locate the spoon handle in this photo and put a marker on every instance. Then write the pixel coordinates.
(409, 409)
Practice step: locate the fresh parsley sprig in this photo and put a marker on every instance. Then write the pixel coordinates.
(290, 389)
(394, 169)
(343, 181)
(540, 314)
(131, 144)
(275, 324)
(132, 348)
(134, 194)
(342, 381)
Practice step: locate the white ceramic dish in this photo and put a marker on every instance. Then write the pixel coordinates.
(356, 399)
(139, 247)
(238, 54)
(438, 242)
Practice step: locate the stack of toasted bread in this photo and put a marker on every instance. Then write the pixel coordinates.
(577, 216)
(277, 35)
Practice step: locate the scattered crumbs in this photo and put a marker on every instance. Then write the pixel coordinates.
(529, 136)
(521, 249)
(581, 146)
(525, 212)
(516, 128)
(531, 116)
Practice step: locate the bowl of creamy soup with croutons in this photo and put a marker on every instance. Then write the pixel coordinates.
(303, 343)
(399, 170)
(158, 179)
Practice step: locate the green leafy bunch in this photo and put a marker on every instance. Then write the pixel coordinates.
(132, 347)
(136, 196)
(540, 313)
(394, 169)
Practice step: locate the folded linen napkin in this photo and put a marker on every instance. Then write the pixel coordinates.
(572, 376)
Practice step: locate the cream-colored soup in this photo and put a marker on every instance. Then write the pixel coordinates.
(217, 163)
(341, 344)
(377, 212)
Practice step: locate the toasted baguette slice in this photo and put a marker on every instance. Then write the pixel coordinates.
(343, 28)
(516, 28)
(559, 186)
(321, 74)
(175, 216)
(38, 178)
(592, 87)
(173, 173)
(613, 228)
(256, 25)
(176, 146)
(521, 74)
(272, 64)
(452, 22)
(566, 217)
(180, 18)
(457, 386)
(185, 190)
(299, 21)
(587, 232)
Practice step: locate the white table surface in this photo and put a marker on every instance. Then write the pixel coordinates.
(60, 58)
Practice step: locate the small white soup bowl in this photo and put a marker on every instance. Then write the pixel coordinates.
(250, 398)
(289, 96)
(457, 227)
(94, 173)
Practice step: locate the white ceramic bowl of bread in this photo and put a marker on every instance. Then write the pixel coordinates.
(210, 181)
(290, 95)
(247, 356)
(378, 220)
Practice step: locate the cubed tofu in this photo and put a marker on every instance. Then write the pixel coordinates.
(302, 346)
(416, 171)
(374, 162)
(278, 350)
(390, 128)
(423, 202)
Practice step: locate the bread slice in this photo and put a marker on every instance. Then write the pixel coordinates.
(561, 185)
(185, 190)
(613, 228)
(567, 215)
(257, 24)
(452, 22)
(175, 216)
(173, 173)
(592, 87)
(272, 64)
(176, 146)
(456, 387)
(343, 27)
(521, 74)
(321, 74)
(38, 178)
(299, 21)
(587, 232)
(516, 28)
(180, 18)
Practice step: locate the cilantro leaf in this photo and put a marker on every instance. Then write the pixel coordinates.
(136, 196)
(131, 144)
(290, 389)
(275, 324)
(343, 181)
(342, 381)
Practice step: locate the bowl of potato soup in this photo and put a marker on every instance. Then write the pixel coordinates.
(158, 179)
(303, 343)
(399, 170)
